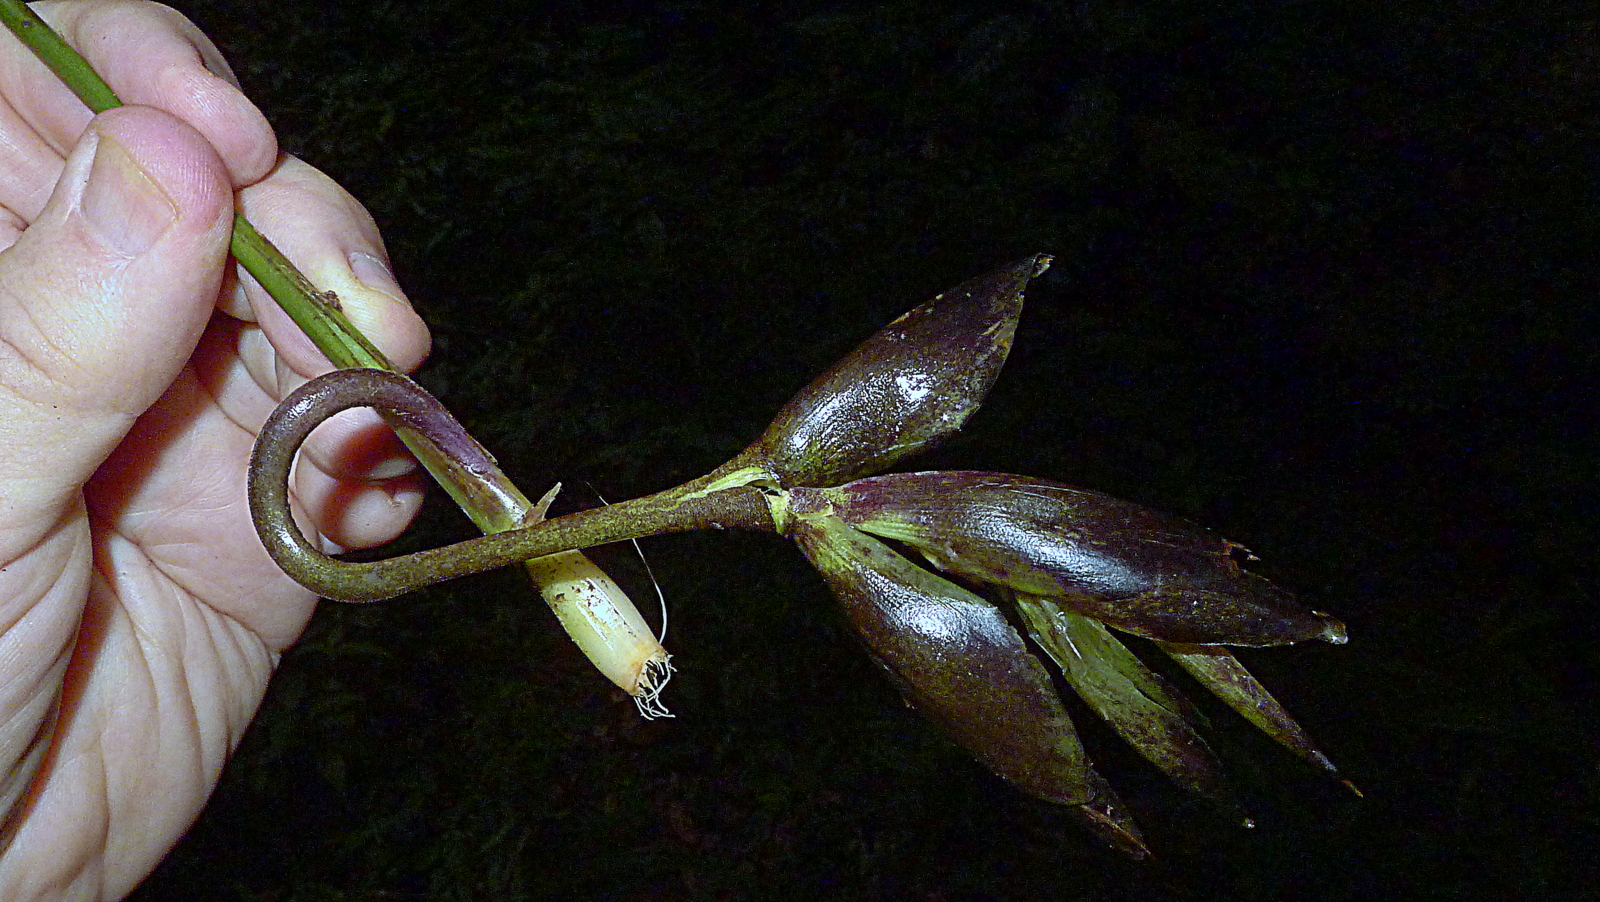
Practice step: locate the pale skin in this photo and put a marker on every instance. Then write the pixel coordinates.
(140, 618)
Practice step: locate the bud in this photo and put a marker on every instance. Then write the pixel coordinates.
(954, 656)
(906, 388)
(1131, 568)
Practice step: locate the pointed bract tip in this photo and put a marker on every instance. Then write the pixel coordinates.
(1333, 631)
(1114, 828)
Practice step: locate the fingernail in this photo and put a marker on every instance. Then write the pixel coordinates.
(126, 209)
(374, 273)
(392, 468)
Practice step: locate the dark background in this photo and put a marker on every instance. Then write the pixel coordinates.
(1324, 281)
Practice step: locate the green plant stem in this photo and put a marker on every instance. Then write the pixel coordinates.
(65, 62)
(316, 313)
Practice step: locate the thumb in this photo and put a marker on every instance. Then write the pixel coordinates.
(102, 300)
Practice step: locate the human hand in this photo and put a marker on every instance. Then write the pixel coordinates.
(140, 618)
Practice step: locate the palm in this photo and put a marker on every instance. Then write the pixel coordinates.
(168, 507)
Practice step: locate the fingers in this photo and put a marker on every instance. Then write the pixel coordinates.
(332, 239)
(363, 513)
(103, 299)
(150, 55)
